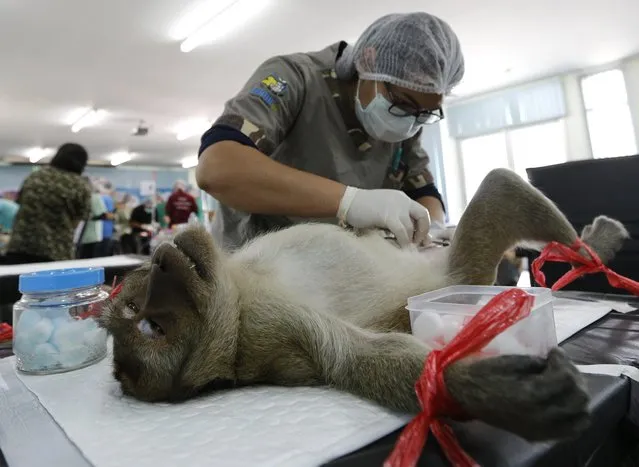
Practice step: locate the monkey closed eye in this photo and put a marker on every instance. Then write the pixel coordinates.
(130, 310)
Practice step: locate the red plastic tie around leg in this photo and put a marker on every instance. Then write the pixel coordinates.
(582, 265)
(499, 314)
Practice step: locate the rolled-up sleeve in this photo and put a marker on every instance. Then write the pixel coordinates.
(265, 109)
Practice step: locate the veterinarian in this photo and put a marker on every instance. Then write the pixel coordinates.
(335, 135)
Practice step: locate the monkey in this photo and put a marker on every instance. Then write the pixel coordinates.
(316, 304)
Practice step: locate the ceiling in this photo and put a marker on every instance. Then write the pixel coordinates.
(118, 55)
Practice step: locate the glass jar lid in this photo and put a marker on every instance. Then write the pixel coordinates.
(59, 280)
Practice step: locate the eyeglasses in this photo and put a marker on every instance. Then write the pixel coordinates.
(401, 108)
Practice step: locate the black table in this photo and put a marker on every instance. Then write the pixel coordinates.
(613, 435)
(607, 440)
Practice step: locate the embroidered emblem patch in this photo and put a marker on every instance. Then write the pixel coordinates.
(265, 97)
(275, 84)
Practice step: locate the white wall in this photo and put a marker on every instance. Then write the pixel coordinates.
(631, 74)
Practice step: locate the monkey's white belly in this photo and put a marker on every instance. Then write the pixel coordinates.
(337, 272)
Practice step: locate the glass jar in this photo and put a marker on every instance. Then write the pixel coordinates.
(55, 327)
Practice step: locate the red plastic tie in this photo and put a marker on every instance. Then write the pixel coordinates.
(115, 289)
(96, 309)
(582, 265)
(6, 332)
(497, 315)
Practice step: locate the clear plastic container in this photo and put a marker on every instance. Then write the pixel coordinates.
(55, 327)
(437, 317)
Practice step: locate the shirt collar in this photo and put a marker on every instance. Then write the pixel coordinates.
(345, 101)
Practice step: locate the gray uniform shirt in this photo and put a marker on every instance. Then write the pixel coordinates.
(295, 110)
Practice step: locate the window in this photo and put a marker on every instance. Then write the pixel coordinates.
(608, 115)
(516, 149)
(479, 156)
(537, 146)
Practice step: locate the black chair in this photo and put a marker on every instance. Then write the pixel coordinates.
(584, 190)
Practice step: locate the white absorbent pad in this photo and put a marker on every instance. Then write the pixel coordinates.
(262, 426)
(571, 316)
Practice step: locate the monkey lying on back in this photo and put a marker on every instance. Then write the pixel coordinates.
(317, 305)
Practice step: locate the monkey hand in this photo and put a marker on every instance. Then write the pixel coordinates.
(533, 397)
(605, 236)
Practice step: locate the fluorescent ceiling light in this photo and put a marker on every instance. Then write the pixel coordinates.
(120, 158)
(75, 115)
(222, 22)
(196, 17)
(191, 128)
(90, 118)
(36, 154)
(189, 162)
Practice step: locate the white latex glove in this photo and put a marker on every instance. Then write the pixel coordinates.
(385, 209)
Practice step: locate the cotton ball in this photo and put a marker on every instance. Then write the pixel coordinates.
(510, 345)
(22, 344)
(44, 357)
(428, 327)
(32, 329)
(73, 356)
(22, 339)
(68, 335)
(90, 324)
(41, 331)
(94, 337)
(505, 344)
(61, 321)
(452, 326)
(28, 319)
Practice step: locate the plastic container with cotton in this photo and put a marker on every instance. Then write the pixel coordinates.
(437, 317)
(55, 327)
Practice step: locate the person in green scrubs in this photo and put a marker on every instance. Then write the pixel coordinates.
(160, 209)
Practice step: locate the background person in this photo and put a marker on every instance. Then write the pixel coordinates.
(53, 201)
(91, 239)
(180, 205)
(108, 223)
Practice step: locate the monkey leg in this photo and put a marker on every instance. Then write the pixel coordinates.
(506, 211)
(534, 397)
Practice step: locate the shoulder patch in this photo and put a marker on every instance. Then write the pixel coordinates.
(275, 84)
(265, 97)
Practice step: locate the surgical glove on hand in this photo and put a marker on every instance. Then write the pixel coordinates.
(408, 220)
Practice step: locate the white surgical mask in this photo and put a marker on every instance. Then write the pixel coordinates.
(380, 124)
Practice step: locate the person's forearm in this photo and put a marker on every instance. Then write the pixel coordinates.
(245, 179)
(435, 208)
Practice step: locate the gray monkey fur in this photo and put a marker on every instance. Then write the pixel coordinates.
(315, 304)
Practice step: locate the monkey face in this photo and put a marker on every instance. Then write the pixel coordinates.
(162, 322)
